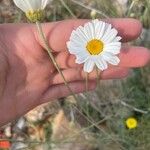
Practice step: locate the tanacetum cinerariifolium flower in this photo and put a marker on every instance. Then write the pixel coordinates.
(95, 43)
(34, 9)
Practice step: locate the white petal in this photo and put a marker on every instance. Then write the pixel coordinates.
(117, 39)
(95, 24)
(82, 58)
(34, 4)
(100, 29)
(22, 5)
(26, 5)
(75, 49)
(78, 42)
(94, 57)
(111, 36)
(80, 34)
(97, 29)
(89, 30)
(114, 44)
(112, 59)
(92, 28)
(114, 49)
(101, 64)
(76, 36)
(106, 56)
(88, 66)
(45, 3)
(107, 30)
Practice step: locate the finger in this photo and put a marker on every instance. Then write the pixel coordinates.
(134, 57)
(58, 91)
(58, 33)
(129, 56)
(74, 74)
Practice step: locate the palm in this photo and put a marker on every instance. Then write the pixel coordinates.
(30, 70)
(32, 78)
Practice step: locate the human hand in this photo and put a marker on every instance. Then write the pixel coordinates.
(27, 76)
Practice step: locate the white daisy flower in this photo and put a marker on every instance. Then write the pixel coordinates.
(95, 43)
(32, 8)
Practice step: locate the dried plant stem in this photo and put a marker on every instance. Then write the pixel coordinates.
(134, 108)
(89, 8)
(68, 9)
(42, 36)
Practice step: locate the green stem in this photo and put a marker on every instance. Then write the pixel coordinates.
(39, 27)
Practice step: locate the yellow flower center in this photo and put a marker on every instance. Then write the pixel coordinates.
(36, 15)
(95, 46)
(131, 123)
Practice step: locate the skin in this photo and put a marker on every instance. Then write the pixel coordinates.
(27, 76)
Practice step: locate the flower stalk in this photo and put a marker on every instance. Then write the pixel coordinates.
(46, 45)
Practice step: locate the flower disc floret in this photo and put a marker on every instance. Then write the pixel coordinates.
(36, 15)
(95, 47)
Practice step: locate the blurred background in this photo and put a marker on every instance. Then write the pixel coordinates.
(98, 122)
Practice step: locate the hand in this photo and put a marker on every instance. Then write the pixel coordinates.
(27, 76)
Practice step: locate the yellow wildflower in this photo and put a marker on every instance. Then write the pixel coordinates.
(131, 123)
